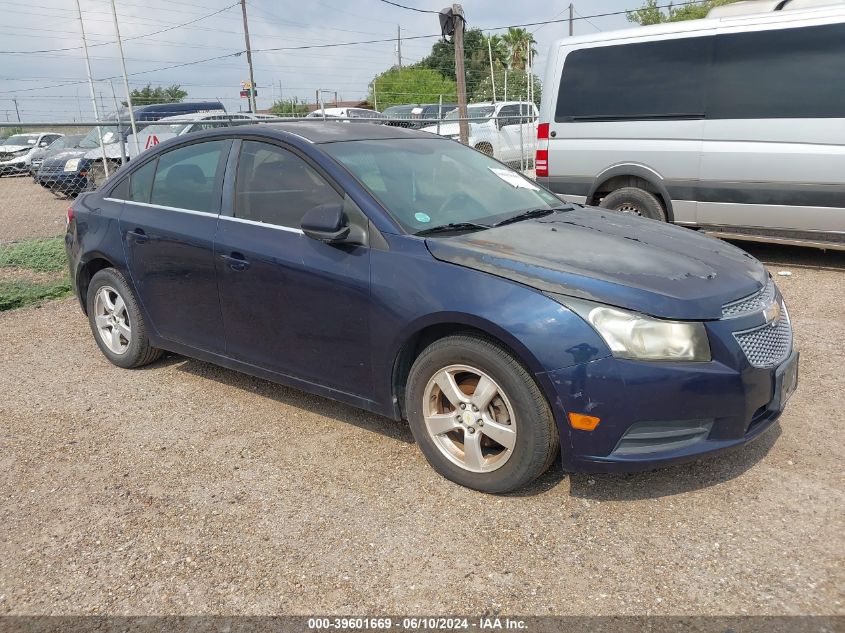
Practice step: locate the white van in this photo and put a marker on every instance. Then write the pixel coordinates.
(734, 123)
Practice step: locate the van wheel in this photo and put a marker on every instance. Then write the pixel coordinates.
(478, 415)
(485, 148)
(635, 201)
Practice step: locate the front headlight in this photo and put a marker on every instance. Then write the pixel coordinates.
(72, 164)
(640, 337)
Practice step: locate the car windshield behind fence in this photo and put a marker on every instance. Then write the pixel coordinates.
(92, 139)
(479, 112)
(425, 183)
(21, 139)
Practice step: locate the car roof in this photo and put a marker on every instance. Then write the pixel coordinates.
(332, 132)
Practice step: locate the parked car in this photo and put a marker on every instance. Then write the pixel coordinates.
(416, 278)
(68, 171)
(399, 115)
(426, 113)
(17, 151)
(734, 124)
(346, 113)
(67, 141)
(506, 130)
(169, 127)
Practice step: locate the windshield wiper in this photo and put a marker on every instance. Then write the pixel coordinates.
(533, 213)
(453, 226)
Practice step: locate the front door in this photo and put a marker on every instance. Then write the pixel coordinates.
(168, 226)
(291, 304)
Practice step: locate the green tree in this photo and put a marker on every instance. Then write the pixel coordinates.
(651, 13)
(411, 84)
(159, 94)
(516, 84)
(517, 41)
(289, 107)
(476, 58)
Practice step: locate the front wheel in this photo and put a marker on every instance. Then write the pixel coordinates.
(478, 415)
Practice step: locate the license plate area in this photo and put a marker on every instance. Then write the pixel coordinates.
(786, 382)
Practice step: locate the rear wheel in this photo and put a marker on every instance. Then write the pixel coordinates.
(478, 415)
(634, 201)
(485, 148)
(116, 321)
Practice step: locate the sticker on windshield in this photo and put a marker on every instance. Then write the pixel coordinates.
(422, 217)
(514, 179)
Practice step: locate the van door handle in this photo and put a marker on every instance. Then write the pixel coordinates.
(138, 235)
(236, 261)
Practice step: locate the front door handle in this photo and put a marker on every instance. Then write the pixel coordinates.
(236, 261)
(138, 235)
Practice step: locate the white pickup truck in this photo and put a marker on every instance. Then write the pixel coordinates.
(506, 130)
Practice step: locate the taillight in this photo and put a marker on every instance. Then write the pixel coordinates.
(543, 132)
(541, 158)
(69, 215)
(541, 163)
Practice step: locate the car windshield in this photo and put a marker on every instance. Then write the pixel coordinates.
(473, 112)
(399, 112)
(425, 183)
(92, 139)
(21, 139)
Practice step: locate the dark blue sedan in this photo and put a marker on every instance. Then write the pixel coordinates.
(419, 279)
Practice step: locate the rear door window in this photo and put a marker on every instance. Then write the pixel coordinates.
(275, 186)
(141, 182)
(190, 177)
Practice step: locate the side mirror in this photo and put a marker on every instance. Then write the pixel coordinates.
(43, 144)
(326, 223)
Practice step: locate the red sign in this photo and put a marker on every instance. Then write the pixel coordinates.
(152, 139)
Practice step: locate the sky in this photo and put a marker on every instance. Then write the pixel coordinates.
(52, 86)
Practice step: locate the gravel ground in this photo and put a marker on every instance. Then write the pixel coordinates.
(185, 488)
(29, 210)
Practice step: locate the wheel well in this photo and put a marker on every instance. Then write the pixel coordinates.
(414, 346)
(481, 144)
(86, 272)
(617, 182)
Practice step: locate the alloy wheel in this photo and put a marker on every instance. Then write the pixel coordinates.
(112, 320)
(470, 419)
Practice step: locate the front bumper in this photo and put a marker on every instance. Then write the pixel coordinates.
(63, 182)
(16, 166)
(655, 414)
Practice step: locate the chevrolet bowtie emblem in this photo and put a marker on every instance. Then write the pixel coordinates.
(772, 313)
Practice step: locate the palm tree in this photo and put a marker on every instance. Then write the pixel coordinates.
(517, 41)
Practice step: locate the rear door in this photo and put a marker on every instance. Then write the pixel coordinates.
(168, 226)
(291, 304)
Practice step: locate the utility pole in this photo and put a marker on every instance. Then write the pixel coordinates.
(125, 82)
(460, 72)
(249, 60)
(18, 112)
(399, 44)
(492, 74)
(571, 18)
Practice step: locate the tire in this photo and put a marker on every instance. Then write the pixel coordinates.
(485, 148)
(635, 201)
(119, 328)
(517, 414)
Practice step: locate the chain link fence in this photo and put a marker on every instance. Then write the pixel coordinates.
(45, 166)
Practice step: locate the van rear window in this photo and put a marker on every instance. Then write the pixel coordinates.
(780, 73)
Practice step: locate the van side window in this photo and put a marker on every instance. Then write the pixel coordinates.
(277, 187)
(664, 79)
(779, 74)
(189, 177)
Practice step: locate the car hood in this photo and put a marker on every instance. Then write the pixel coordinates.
(626, 261)
(14, 148)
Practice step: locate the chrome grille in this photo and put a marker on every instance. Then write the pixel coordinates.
(751, 303)
(769, 344)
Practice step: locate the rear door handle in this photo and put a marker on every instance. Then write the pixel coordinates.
(138, 235)
(236, 261)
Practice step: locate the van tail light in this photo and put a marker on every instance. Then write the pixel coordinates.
(69, 216)
(541, 158)
(543, 132)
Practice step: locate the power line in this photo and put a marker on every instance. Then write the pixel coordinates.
(402, 6)
(136, 37)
